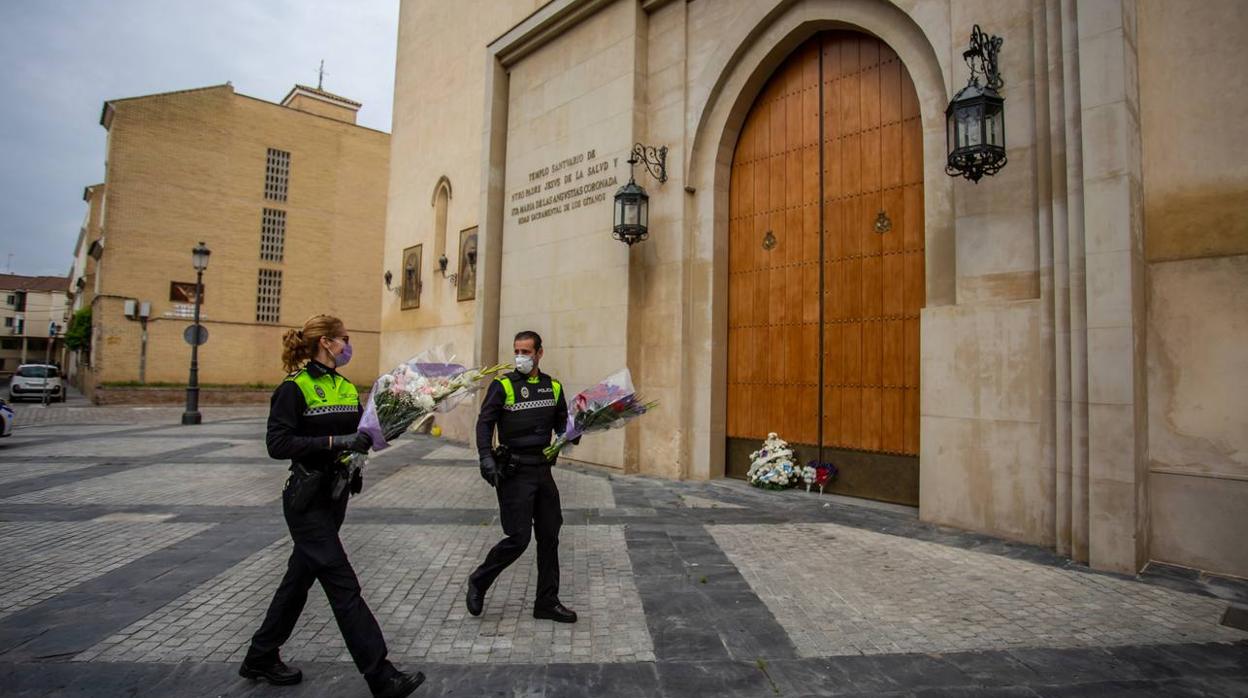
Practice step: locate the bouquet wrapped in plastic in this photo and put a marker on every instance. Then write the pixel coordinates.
(608, 405)
(818, 474)
(407, 397)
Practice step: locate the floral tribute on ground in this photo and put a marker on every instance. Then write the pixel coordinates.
(774, 467)
(407, 397)
(609, 404)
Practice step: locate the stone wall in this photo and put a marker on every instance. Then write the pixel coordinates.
(1194, 111)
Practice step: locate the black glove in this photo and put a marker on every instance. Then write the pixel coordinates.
(359, 442)
(357, 481)
(489, 469)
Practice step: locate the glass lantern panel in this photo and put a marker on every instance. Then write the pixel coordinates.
(995, 126)
(951, 132)
(970, 119)
(630, 211)
(644, 212)
(619, 212)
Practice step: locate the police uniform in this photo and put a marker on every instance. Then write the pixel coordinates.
(526, 410)
(307, 409)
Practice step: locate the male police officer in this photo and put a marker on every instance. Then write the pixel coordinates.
(527, 407)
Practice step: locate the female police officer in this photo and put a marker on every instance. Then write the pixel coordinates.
(313, 418)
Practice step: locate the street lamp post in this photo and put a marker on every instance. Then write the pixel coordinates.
(47, 360)
(199, 258)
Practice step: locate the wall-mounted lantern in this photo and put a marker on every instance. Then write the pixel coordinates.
(632, 204)
(975, 119)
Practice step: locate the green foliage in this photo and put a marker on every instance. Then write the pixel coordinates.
(78, 334)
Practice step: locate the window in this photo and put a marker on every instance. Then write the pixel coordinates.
(10, 300)
(38, 372)
(411, 278)
(441, 201)
(276, 175)
(182, 292)
(10, 344)
(8, 322)
(272, 235)
(269, 296)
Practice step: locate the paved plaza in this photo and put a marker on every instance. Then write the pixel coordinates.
(137, 556)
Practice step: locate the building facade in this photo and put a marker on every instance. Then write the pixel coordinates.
(1052, 354)
(289, 198)
(29, 306)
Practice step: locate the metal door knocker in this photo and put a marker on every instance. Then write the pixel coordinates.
(769, 241)
(882, 223)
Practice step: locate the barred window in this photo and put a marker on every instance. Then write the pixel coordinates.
(269, 296)
(276, 175)
(272, 235)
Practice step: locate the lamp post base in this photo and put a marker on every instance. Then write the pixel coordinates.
(191, 418)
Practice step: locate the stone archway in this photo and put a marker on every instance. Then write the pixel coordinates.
(825, 267)
(742, 66)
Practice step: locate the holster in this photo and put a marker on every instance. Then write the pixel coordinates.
(303, 487)
(339, 481)
(505, 460)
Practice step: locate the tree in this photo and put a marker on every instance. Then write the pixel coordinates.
(78, 334)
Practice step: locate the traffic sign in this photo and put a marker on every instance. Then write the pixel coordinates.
(193, 338)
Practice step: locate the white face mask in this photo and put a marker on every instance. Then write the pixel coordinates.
(524, 363)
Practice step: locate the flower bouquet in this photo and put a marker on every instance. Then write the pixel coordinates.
(773, 466)
(406, 397)
(818, 474)
(607, 405)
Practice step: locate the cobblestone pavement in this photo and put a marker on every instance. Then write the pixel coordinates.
(859, 592)
(39, 560)
(459, 487)
(137, 556)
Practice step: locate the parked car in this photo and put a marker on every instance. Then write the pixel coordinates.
(6, 419)
(32, 379)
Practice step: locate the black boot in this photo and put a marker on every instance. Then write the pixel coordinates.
(557, 612)
(275, 672)
(396, 684)
(474, 599)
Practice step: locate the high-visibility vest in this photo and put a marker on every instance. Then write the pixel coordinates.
(327, 394)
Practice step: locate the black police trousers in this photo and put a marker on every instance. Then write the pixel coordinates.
(528, 503)
(319, 556)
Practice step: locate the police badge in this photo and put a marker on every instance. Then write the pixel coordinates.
(524, 392)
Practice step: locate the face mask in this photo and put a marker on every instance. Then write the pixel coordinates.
(524, 363)
(344, 358)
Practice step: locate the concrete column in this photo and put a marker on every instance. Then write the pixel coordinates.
(1115, 271)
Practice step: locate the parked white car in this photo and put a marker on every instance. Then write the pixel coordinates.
(30, 380)
(6, 419)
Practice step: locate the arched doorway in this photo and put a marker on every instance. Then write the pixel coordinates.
(826, 260)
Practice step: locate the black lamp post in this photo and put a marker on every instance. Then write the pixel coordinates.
(975, 119)
(199, 259)
(632, 204)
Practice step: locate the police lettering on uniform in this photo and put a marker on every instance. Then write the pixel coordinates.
(313, 419)
(527, 407)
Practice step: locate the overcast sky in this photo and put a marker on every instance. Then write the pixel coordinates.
(61, 59)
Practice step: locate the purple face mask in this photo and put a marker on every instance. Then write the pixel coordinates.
(344, 358)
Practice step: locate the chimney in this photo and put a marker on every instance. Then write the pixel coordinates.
(322, 103)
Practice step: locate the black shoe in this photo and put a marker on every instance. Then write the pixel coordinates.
(397, 685)
(275, 672)
(558, 613)
(474, 599)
